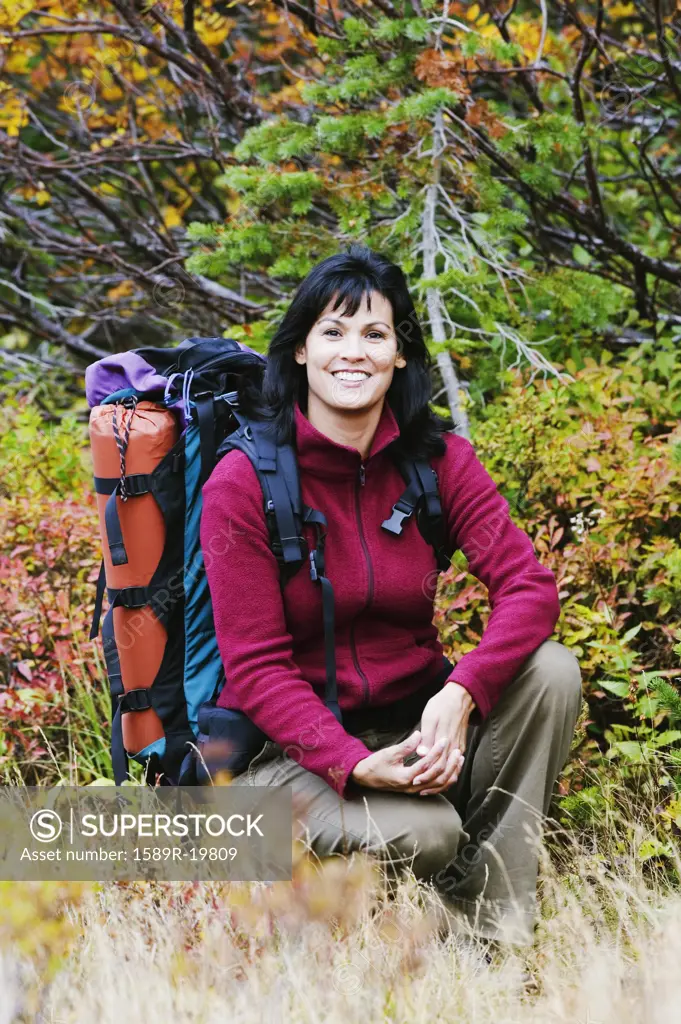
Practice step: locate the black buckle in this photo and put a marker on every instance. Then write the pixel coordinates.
(400, 512)
(133, 597)
(135, 700)
(137, 484)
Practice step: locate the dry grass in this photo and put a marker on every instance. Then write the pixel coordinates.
(340, 944)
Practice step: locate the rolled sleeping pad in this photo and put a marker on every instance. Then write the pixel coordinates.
(140, 637)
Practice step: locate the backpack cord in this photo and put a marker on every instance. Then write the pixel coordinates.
(186, 392)
(122, 442)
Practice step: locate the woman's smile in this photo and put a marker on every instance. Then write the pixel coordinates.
(351, 378)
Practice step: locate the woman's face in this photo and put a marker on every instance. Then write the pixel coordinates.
(350, 360)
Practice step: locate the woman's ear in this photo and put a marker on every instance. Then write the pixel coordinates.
(400, 362)
(300, 355)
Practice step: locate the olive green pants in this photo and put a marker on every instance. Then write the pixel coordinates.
(479, 841)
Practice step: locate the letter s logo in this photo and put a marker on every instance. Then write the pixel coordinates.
(45, 826)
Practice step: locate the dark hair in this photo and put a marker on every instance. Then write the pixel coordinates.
(351, 274)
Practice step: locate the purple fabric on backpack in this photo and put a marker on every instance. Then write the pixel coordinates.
(121, 370)
(129, 370)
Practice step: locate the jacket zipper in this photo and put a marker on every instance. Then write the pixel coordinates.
(370, 593)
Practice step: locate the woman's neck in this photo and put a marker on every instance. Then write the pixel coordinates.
(353, 427)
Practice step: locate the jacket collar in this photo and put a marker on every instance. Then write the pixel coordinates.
(321, 456)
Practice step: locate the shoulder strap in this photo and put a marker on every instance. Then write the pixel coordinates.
(277, 469)
(422, 495)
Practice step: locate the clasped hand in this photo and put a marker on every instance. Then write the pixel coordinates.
(441, 742)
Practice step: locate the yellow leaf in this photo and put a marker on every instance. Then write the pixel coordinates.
(473, 12)
(13, 12)
(17, 63)
(212, 28)
(212, 36)
(233, 203)
(112, 92)
(171, 217)
(622, 10)
(42, 197)
(13, 115)
(120, 291)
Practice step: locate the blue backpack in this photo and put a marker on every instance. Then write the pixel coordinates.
(200, 381)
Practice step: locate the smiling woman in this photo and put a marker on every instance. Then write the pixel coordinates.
(350, 366)
(447, 767)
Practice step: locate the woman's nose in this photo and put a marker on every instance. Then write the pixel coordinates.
(353, 347)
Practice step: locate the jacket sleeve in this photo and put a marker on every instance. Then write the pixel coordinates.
(523, 595)
(262, 679)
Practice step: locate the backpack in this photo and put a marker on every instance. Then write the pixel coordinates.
(160, 421)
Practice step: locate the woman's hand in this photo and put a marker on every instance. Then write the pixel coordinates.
(384, 769)
(444, 726)
(441, 742)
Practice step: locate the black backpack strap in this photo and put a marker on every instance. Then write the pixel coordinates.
(277, 469)
(99, 600)
(205, 415)
(423, 497)
(317, 573)
(127, 487)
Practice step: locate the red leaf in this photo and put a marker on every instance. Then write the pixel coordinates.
(19, 550)
(24, 670)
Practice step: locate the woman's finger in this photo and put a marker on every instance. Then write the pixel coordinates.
(433, 757)
(447, 777)
(436, 768)
(442, 777)
(428, 733)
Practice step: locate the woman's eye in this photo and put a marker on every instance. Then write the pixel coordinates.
(376, 334)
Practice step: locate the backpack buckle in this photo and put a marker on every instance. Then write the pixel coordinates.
(135, 700)
(400, 512)
(317, 563)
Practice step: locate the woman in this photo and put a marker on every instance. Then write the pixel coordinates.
(449, 771)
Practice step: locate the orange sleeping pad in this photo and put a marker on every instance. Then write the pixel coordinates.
(151, 431)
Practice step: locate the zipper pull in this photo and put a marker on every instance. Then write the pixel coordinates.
(362, 476)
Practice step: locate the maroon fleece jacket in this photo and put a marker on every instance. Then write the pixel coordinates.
(387, 646)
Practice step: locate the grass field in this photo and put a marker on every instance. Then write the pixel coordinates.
(341, 944)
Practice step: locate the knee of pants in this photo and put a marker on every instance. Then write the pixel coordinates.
(558, 677)
(430, 838)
